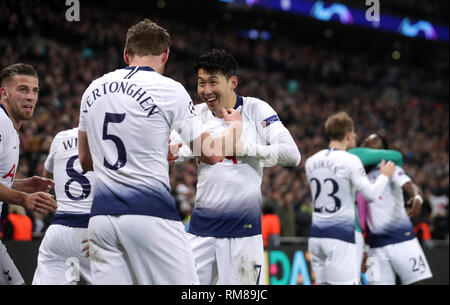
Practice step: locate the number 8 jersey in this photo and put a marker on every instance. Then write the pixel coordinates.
(334, 177)
(73, 186)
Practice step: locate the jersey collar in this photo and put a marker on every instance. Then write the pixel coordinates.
(141, 68)
(239, 102)
(4, 109)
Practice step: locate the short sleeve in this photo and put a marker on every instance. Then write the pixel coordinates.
(83, 113)
(268, 123)
(400, 177)
(49, 162)
(358, 174)
(179, 111)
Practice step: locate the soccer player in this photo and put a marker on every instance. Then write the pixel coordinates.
(61, 260)
(335, 176)
(226, 219)
(19, 90)
(394, 248)
(135, 232)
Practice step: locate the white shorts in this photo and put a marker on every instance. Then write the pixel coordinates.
(9, 275)
(333, 261)
(136, 249)
(360, 243)
(405, 259)
(229, 261)
(60, 260)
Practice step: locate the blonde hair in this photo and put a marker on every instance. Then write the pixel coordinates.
(338, 125)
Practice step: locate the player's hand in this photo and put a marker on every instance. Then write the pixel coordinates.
(414, 207)
(234, 120)
(388, 168)
(36, 184)
(231, 115)
(40, 202)
(172, 154)
(85, 248)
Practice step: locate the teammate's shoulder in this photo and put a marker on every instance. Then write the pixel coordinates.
(201, 108)
(67, 133)
(249, 101)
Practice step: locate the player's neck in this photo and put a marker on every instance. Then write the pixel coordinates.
(230, 102)
(338, 145)
(152, 62)
(16, 123)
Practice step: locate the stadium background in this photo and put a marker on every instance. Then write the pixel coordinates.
(305, 68)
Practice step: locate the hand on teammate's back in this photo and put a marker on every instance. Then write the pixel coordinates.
(388, 168)
(40, 202)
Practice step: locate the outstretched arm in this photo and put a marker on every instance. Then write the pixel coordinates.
(371, 156)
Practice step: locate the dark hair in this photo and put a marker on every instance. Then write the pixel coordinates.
(337, 126)
(147, 38)
(217, 61)
(16, 69)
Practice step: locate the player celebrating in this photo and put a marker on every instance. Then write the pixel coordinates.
(226, 220)
(60, 259)
(135, 232)
(334, 176)
(19, 90)
(394, 249)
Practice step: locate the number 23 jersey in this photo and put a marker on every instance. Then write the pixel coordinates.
(334, 177)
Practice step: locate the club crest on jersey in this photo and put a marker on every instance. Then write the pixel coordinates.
(269, 121)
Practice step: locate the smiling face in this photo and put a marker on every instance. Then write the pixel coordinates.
(216, 90)
(19, 95)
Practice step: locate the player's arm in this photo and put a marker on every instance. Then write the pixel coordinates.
(178, 152)
(214, 149)
(33, 184)
(83, 151)
(204, 147)
(371, 191)
(38, 202)
(414, 204)
(281, 148)
(371, 156)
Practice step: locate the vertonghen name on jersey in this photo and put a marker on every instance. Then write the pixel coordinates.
(137, 93)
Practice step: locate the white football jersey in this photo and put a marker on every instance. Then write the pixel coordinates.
(73, 186)
(128, 115)
(228, 198)
(9, 150)
(386, 216)
(334, 177)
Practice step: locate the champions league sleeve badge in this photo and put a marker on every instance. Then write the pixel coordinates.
(269, 121)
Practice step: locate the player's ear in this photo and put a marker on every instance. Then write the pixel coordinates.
(234, 81)
(165, 56)
(3, 95)
(126, 58)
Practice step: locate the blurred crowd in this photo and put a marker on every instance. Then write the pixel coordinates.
(305, 81)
